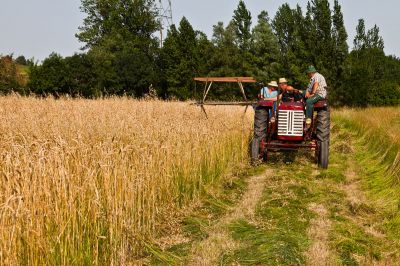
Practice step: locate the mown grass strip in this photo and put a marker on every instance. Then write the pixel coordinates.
(379, 134)
(278, 236)
(359, 235)
(378, 151)
(215, 203)
(363, 232)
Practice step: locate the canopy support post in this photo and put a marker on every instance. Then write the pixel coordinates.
(206, 91)
(242, 90)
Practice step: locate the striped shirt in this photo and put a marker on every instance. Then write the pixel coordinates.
(321, 90)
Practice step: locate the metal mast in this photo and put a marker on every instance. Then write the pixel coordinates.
(164, 10)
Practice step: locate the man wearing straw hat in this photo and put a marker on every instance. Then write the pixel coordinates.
(316, 90)
(288, 92)
(261, 117)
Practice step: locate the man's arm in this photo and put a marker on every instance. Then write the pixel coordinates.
(313, 90)
(293, 90)
(270, 99)
(290, 88)
(315, 87)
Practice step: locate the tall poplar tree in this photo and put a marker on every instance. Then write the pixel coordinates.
(181, 55)
(323, 46)
(242, 21)
(289, 28)
(367, 39)
(360, 39)
(224, 60)
(374, 40)
(369, 75)
(341, 50)
(265, 49)
(339, 33)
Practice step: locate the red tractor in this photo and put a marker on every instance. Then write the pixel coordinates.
(286, 130)
(282, 127)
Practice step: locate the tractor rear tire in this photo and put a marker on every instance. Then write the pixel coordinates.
(261, 118)
(323, 124)
(323, 136)
(323, 156)
(265, 155)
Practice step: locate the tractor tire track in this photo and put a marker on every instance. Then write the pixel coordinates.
(319, 252)
(209, 251)
(334, 212)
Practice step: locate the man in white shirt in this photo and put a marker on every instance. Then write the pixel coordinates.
(316, 91)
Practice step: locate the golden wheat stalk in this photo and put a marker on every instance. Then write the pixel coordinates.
(85, 181)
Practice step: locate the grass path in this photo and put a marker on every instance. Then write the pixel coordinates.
(319, 252)
(208, 251)
(297, 214)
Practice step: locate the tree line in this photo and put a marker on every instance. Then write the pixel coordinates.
(123, 56)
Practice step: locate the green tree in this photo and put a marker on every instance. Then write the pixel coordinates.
(204, 52)
(341, 50)
(367, 79)
(374, 40)
(80, 76)
(242, 21)
(369, 39)
(322, 49)
(169, 58)
(241, 58)
(339, 33)
(135, 21)
(50, 77)
(21, 60)
(283, 25)
(318, 38)
(360, 39)
(180, 54)
(120, 34)
(290, 29)
(265, 49)
(226, 60)
(371, 78)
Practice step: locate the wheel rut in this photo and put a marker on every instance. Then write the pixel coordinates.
(298, 214)
(209, 251)
(319, 252)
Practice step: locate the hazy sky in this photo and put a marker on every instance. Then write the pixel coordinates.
(35, 28)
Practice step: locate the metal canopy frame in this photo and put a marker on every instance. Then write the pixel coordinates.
(208, 82)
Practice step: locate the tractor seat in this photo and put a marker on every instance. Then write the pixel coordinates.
(321, 103)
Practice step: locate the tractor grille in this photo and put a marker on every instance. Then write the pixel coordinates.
(290, 123)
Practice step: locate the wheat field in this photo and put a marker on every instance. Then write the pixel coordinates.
(87, 181)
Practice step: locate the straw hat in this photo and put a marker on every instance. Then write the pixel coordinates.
(273, 84)
(283, 80)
